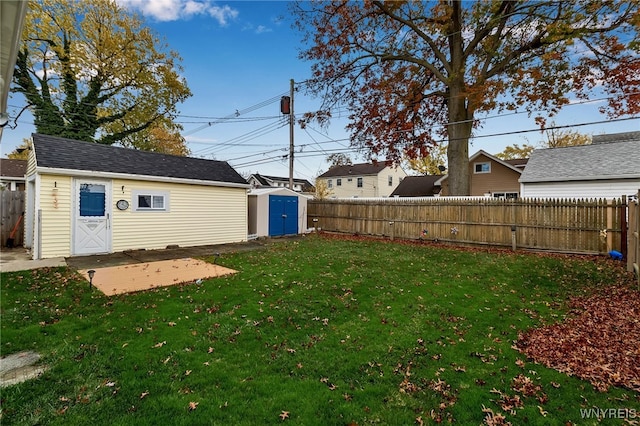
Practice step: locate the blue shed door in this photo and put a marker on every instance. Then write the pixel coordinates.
(283, 215)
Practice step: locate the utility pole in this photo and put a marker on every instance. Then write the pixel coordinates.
(291, 123)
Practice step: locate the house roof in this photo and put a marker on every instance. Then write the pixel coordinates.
(261, 179)
(361, 169)
(612, 160)
(264, 179)
(267, 191)
(61, 153)
(417, 186)
(517, 162)
(615, 137)
(13, 168)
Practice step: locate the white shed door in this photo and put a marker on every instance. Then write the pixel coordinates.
(92, 230)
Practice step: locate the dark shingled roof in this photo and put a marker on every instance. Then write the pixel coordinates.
(520, 163)
(361, 169)
(417, 186)
(62, 153)
(13, 168)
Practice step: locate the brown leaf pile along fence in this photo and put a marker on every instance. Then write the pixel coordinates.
(582, 226)
(12, 206)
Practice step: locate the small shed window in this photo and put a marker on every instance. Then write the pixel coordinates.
(330, 183)
(151, 201)
(360, 182)
(390, 180)
(338, 182)
(482, 167)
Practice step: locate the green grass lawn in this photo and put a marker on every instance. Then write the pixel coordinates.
(311, 331)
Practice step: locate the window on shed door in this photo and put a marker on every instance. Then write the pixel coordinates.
(390, 180)
(482, 167)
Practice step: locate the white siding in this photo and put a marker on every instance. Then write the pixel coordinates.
(372, 185)
(54, 199)
(581, 189)
(396, 173)
(198, 215)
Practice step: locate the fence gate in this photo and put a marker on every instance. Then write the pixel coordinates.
(12, 205)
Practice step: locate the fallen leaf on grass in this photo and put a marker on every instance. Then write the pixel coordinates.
(143, 394)
(193, 405)
(160, 344)
(284, 415)
(603, 326)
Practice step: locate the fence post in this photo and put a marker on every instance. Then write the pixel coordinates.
(609, 225)
(623, 227)
(633, 258)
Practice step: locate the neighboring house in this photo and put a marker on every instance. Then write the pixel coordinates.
(418, 186)
(275, 212)
(362, 180)
(257, 180)
(607, 168)
(12, 174)
(490, 176)
(87, 198)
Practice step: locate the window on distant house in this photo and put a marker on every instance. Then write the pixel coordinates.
(330, 183)
(359, 182)
(338, 182)
(151, 201)
(507, 195)
(390, 180)
(482, 167)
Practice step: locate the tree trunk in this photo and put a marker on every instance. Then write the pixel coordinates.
(459, 131)
(460, 125)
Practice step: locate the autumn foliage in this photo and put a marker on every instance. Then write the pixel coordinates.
(416, 74)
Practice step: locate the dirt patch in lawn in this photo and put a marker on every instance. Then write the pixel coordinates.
(144, 276)
(598, 343)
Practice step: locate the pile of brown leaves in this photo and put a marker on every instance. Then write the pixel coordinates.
(599, 342)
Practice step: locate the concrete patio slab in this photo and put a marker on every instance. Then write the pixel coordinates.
(145, 276)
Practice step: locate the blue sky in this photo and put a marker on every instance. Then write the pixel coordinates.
(238, 55)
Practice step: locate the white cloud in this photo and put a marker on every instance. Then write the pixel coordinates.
(173, 10)
(262, 29)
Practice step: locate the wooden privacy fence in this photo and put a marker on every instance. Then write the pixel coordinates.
(12, 205)
(583, 226)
